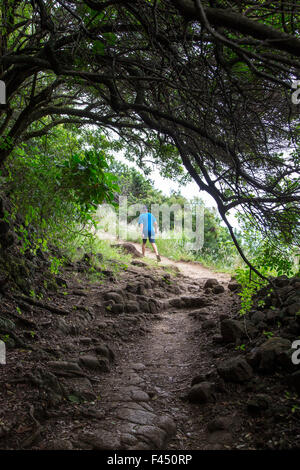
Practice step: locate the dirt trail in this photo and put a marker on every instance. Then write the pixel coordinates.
(154, 374)
(135, 361)
(168, 359)
(85, 400)
(193, 270)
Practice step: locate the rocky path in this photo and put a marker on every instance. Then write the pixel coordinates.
(85, 396)
(146, 360)
(162, 367)
(145, 395)
(142, 395)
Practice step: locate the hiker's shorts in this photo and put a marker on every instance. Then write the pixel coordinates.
(151, 240)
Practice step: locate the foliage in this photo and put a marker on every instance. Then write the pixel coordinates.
(271, 260)
(55, 185)
(87, 176)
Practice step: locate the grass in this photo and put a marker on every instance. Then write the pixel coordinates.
(174, 249)
(223, 266)
(111, 258)
(170, 248)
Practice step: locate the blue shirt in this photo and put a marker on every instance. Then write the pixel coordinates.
(147, 220)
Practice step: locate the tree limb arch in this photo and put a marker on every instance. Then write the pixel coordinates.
(274, 38)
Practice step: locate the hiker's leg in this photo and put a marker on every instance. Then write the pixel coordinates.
(155, 250)
(144, 246)
(154, 247)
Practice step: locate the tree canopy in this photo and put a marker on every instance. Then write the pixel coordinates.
(204, 85)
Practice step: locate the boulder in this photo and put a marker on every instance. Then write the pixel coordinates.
(6, 324)
(272, 354)
(176, 302)
(104, 350)
(223, 316)
(167, 423)
(234, 286)
(210, 283)
(235, 370)
(221, 423)
(154, 436)
(131, 288)
(293, 309)
(117, 298)
(149, 283)
(232, 330)
(258, 404)
(198, 379)
(138, 263)
(191, 302)
(141, 289)
(257, 317)
(281, 281)
(57, 444)
(201, 312)
(153, 306)
(144, 306)
(217, 339)
(116, 308)
(201, 318)
(292, 327)
(85, 340)
(208, 324)
(131, 306)
(130, 249)
(218, 289)
(273, 315)
(201, 393)
(137, 416)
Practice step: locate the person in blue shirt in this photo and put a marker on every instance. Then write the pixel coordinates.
(148, 226)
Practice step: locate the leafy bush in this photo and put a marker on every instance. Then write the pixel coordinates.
(269, 259)
(55, 185)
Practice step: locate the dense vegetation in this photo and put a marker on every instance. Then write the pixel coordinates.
(200, 89)
(55, 186)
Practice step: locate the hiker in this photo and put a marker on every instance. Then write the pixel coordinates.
(148, 225)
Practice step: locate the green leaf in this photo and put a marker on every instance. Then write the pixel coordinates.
(74, 399)
(99, 47)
